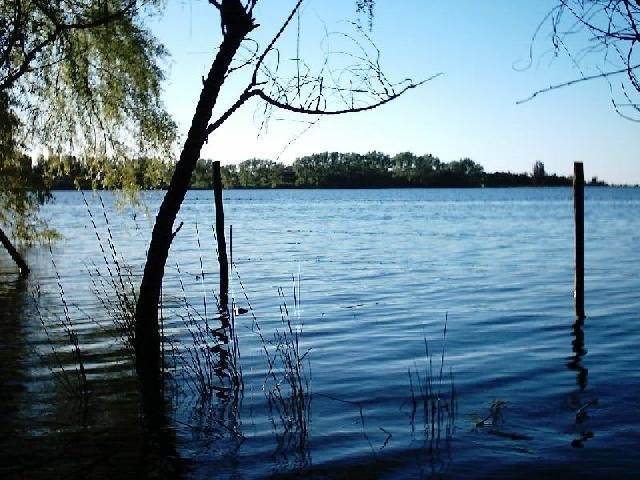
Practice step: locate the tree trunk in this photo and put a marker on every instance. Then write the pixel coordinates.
(24, 269)
(147, 337)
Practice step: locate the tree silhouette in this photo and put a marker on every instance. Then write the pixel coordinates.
(361, 85)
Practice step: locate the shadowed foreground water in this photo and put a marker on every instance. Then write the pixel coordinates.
(375, 272)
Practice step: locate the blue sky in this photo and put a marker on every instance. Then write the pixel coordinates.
(469, 111)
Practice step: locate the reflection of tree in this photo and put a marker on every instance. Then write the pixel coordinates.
(48, 420)
(13, 375)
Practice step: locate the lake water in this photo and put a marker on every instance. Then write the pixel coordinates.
(375, 273)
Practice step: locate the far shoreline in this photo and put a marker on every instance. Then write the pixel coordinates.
(463, 187)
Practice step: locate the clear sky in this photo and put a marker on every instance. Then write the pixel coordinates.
(469, 111)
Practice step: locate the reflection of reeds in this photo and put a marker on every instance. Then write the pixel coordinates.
(492, 422)
(433, 395)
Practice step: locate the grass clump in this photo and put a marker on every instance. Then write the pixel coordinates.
(433, 399)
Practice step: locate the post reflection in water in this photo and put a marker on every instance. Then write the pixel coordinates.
(578, 401)
(575, 362)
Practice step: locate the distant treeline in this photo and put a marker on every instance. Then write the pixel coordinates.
(321, 170)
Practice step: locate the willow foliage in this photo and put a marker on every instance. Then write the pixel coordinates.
(81, 78)
(22, 188)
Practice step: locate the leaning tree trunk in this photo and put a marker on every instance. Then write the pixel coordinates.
(24, 269)
(237, 24)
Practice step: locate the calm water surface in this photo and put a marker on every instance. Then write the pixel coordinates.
(376, 273)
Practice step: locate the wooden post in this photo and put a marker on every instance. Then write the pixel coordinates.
(222, 246)
(22, 265)
(578, 207)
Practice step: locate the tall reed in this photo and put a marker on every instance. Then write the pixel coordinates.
(114, 288)
(287, 383)
(209, 362)
(70, 374)
(433, 397)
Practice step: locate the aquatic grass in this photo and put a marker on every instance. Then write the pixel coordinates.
(433, 396)
(287, 385)
(202, 275)
(363, 426)
(114, 289)
(206, 367)
(71, 384)
(287, 341)
(72, 334)
(115, 292)
(73, 378)
(210, 360)
(202, 359)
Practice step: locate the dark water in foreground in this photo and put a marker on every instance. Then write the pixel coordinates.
(375, 273)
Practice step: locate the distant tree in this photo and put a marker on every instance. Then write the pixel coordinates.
(156, 172)
(426, 170)
(404, 161)
(606, 32)
(538, 173)
(260, 173)
(464, 172)
(229, 174)
(202, 175)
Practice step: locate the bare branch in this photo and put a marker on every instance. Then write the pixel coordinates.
(246, 95)
(354, 109)
(608, 32)
(284, 26)
(576, 81)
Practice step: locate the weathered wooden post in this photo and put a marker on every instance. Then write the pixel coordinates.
(222, 246)
(578, 208)
(22, 265)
